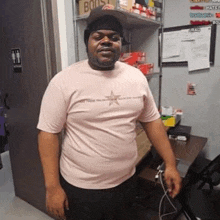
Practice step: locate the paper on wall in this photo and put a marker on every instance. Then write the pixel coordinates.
(182, 54)
(199, 50)
(171, 44)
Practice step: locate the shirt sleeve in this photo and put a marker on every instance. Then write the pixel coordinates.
(150, 111)
(53, 110)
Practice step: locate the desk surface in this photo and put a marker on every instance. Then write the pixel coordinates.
(188, 151)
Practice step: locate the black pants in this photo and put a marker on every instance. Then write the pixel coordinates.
(105, 204)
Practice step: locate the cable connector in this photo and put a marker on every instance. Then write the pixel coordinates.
(158, 174)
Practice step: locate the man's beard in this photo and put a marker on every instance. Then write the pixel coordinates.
(96, 63)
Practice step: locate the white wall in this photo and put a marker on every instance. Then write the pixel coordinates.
(202, 110)
(66, 32)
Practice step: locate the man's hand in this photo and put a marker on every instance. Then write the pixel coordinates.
(56, 202)
(173, 181)
(156, 133)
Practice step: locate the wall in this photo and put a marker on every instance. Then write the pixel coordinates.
(66, 32)
(202, 110)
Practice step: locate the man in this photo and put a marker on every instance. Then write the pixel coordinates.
(98, 102)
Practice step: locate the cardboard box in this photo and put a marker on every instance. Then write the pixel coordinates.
(169, 121)
(143, 144)
(139, 9)
(127, 4)
(133, 58)
(129, 58)
(144, 12)
(151, 13)
(85, 6)
(142, 57)
(135, 10)
(146, 68)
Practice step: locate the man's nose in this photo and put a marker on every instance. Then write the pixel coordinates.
(106, 40)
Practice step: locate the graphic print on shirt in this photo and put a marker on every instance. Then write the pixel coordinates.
(113, 99)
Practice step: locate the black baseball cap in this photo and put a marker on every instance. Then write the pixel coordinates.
(103, 10)
(105, 17)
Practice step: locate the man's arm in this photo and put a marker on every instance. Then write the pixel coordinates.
(156, 133)
(49, 150)
(48, 146)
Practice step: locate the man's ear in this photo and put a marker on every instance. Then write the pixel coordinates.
(86, 38)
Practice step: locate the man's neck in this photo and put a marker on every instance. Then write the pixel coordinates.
(101, 68)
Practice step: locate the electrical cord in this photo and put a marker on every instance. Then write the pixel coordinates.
(160, 174)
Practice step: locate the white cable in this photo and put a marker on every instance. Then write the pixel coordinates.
(160, 206)
(161, 216)
(165, 195)
(165, 191)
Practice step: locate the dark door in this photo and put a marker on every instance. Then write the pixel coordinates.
(22, 24)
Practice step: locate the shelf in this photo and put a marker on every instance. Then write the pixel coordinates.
(150, 75)
(138, 21)
(133, 20)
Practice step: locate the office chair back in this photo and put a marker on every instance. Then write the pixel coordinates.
(211, 174)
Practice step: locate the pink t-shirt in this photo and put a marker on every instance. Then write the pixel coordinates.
(98, 110)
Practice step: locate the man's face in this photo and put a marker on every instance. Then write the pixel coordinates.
(104, 48)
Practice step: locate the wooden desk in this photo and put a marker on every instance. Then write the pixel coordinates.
(190, 149)
(143, 145)
(187, 151)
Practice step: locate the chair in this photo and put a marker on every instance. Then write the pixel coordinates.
(209, 174)
(201, 172)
